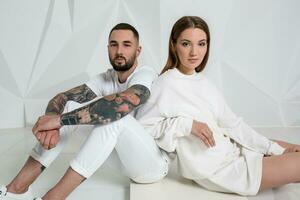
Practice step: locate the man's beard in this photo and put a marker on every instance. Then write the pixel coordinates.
(122, 68)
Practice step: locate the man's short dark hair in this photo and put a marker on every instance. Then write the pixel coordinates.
(125, 26)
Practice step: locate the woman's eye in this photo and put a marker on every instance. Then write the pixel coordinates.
(202, 44)
(185, 44)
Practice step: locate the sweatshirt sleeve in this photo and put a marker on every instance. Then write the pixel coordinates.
(243, 134)
(165, 130)
(168, 130)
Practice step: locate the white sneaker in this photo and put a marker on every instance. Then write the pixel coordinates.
(4, 195)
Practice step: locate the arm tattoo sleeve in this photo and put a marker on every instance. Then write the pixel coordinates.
(109, 108)
(79, 94)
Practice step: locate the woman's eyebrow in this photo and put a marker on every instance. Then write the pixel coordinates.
(186, 40)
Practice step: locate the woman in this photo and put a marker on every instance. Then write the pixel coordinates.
(186, 114)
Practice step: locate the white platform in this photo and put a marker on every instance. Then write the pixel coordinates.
(107, 183)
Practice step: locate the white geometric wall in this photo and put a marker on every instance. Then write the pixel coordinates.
(51, 45)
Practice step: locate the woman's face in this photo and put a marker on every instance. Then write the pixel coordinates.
(191, 47)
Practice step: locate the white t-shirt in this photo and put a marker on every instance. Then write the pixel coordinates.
(107, 83)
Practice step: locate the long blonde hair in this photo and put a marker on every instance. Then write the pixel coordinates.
(182, 24)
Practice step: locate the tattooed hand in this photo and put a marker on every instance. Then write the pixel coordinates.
(46, 123)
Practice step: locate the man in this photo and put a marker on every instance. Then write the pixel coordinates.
(110, 96)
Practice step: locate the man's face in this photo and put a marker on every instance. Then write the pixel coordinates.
(123, 49)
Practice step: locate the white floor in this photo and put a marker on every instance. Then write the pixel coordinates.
(15, 144)
(107, 183)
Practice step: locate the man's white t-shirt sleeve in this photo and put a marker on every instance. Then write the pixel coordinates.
(144, 76)
(95, 84)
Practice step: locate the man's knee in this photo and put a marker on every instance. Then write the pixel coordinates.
(146, 179)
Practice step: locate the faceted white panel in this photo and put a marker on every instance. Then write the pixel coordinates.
(7, 80)
(86, 12)
(49, 92)
(56, 33)
(260, 40)
(247, 101)
(213, 72)
(71, 61)
(293, 94)
(21, 26)
(34, 108)
(291, 113)
(291, 81)
(11, 109)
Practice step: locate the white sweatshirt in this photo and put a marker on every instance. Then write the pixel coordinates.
(176, 100)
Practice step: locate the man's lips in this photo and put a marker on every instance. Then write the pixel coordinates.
(120, 59)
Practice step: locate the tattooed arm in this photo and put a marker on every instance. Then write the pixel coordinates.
(79, 94)
(49, 138)
(102, 111)
(109, 108)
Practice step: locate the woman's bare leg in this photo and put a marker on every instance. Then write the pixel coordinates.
(280, 170)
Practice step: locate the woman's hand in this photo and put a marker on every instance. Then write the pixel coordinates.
(292, 148)
(295, 148)
(289, 148)
(202, 131)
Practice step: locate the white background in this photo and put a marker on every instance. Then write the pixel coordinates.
(48, 46)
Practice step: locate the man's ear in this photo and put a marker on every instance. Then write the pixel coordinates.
(138, 50)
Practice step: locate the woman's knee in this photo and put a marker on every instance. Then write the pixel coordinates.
(280, 170)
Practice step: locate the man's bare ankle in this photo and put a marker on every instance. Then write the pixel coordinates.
(16, 189)
(50, 195)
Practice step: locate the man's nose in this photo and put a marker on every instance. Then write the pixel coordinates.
(120, 50)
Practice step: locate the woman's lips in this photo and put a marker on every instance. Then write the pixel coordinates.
(193, 60)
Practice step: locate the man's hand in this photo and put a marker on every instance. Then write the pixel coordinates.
(46, 123)
(202, 131)
(48, 139)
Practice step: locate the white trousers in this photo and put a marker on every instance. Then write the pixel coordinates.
(141, 159)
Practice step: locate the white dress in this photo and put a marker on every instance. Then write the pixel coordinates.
(235, 163)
